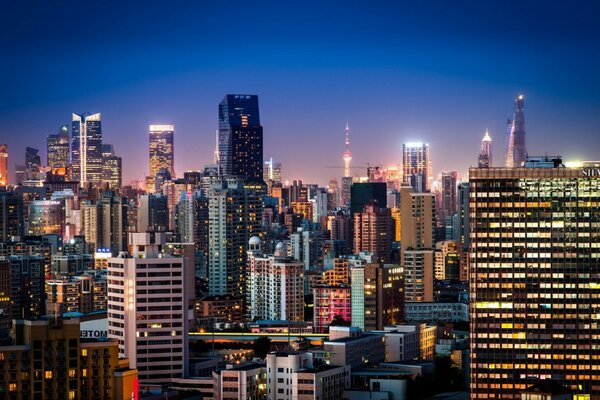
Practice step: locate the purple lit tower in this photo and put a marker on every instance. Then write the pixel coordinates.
(517, 150)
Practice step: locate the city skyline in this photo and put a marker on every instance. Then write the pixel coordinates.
(446, 97)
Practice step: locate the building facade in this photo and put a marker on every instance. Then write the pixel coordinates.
(86, 148)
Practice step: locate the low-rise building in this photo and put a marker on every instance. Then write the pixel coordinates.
(355, 350)
(432, 312)
(248, 381)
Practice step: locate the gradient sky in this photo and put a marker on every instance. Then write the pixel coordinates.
(440, 72)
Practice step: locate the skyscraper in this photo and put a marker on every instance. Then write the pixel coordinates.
(234, 217)
(485, 156)
(32, 159)
(112, 169)
(373, 232)
(416, 166)
(448, 198)
(534, 279)
(3, 165)
(240, 138)
(86, 148)
(517, 148)
(58, 148)
(161, 149)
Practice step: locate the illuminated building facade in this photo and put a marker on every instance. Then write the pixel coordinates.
(329, 302)
(147, 308)
(86, 148)
(46, 217)
(58, 150)
(112, 169)
(416, 166)
(161, 149)
(534, 278)
(485, 156)
(448, 199)
(241, 138)
(3, 165)
(373, 232)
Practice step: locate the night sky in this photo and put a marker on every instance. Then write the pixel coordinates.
(439, 72)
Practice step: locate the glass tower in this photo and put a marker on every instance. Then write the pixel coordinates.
(86, 148)
(240, 138)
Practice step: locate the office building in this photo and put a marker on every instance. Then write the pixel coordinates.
(46, 217)
(275, 284)
(86, 148)
(11, 215)
(350, 347)
(485, 155)
(111, 168)
(534, 278)
(373, 232)
(58, 149)
(364, 192)
(54, 363)
(516, 150)
(4, 181)
(148, 308)
(417, 243)
(33, 162)
(272, 172)
(416, 166)
(234, 217)
(161, 151)
(153, 213)
(377, 296)
(448, 260)
(448, 196)
(248, 381)
(240, 138)
(104, 222)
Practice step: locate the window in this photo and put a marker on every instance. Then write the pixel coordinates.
(84, 352)
(48, 375)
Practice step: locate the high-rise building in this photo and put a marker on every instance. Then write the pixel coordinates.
(81, 293)
(32, 159)
(330, 303)
(27, 278)
(112, 169)
(417, 213)
(104, 222)
(46, 217)
(448, 196)
(485, 155)
(11, 215)
(377, 296)
(516, 151)
(464, 214)
(3, 165)
(234, 217)
(272, 171)
(416, 166)
(153, 213)
(147, 308)
(161, 149)
(275, 284)
(373, 232)
(58, 149)
(240, 138)
(86, 148)
(534, 278)
(364, 192)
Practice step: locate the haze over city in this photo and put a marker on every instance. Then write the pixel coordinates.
(398, 73)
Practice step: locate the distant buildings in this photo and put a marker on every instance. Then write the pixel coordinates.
(448, 195)
(4, 165)
(86, 148)
(58, 149)
(485, 159)
(373, 232)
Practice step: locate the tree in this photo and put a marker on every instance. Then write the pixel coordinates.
(338, 320)
(261, 347)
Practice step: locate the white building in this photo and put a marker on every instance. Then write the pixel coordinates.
(275, 284)
(147, 308)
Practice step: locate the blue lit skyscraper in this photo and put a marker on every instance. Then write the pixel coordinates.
(240, 138)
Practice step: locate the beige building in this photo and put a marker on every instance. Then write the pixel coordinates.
(244, 382)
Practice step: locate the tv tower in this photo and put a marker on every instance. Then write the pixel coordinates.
(347, 154)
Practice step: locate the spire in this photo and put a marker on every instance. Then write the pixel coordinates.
(517, 149)
(485, 156)
(347, 154)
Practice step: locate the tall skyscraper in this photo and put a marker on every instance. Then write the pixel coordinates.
(147, 308)
(161, 149)
(240, 138)
(485, 155)
(516, 150)
(417, 215)
(234, 217)
(534, 278)
(86, 148)
(448, 196)
(373, 232)
(3, 165)
(416, 166)
(58, 148)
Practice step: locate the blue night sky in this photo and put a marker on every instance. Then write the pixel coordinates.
(440, 72)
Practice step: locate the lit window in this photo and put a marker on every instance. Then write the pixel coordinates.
(12, 387)
(84, 352)
(48, 375)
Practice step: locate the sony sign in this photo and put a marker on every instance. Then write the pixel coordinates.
(589, 172)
